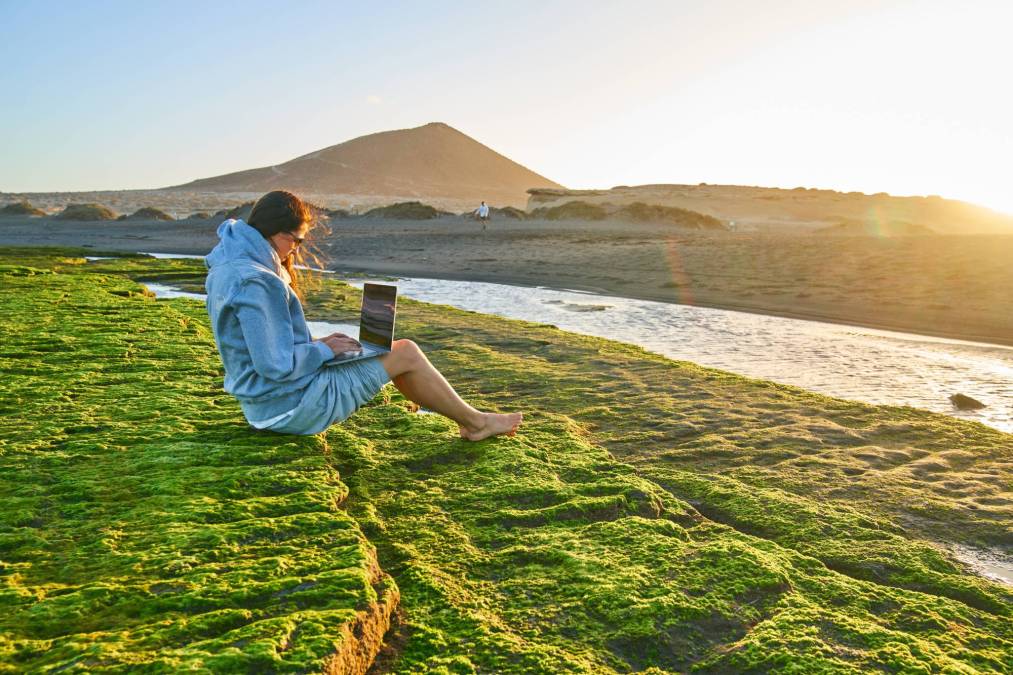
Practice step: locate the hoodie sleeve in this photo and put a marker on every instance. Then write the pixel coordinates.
(267, 329)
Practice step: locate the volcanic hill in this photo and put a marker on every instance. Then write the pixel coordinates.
(431, 162)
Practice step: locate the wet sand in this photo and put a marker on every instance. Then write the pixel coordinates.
(948, 286)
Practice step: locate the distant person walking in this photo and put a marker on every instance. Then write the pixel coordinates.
(285, 380)
(482, 212)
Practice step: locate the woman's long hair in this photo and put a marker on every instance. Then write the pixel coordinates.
(281, 211)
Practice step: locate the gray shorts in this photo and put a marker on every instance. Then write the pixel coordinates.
(335, 393)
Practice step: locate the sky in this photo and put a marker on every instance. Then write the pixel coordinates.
(905, 97)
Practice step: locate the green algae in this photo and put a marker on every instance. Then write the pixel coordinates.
(628, 579)
(144, 526)
(829, 491)
(651, 515)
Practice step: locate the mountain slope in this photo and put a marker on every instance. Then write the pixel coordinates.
(431, 161)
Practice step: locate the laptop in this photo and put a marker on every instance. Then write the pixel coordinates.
(376, 323)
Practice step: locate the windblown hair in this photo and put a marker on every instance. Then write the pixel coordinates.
(281, 211)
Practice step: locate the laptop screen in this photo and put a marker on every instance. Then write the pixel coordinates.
(376, 325)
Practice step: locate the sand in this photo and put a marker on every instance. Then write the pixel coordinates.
(948, 286)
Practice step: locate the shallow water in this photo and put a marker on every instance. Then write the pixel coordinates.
(862, 364)
(988, 563)
(850, 362)
(164, 291)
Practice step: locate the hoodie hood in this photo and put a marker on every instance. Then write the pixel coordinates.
(260, 330)
(239, 240)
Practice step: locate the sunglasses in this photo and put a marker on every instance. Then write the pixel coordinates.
(296, 240)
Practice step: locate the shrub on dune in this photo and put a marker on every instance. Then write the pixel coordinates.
(406, 211)
(22, 208)
(86, 212)
(509, 212)
(639, 212)
(148, 213)
(571, 211)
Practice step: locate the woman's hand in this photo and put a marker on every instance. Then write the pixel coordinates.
(341, 343)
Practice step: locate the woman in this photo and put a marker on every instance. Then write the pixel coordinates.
(277, 371)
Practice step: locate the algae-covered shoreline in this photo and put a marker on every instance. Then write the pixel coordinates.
(651, 513)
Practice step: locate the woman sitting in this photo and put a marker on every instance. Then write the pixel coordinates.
(276, 370)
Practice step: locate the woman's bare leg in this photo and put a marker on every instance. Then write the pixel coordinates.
(419, 381)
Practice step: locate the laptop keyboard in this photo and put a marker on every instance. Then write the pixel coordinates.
(366, 350)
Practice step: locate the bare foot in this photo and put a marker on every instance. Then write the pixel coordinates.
(493, 425)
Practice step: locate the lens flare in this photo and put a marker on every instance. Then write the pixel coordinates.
(680, 279)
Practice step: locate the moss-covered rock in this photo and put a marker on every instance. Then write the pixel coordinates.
(22, 271)
(145, 527)
(650, 515)
(654, 514)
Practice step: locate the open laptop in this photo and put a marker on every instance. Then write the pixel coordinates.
(376, 323)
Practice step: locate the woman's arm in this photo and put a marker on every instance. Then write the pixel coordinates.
(266, 322)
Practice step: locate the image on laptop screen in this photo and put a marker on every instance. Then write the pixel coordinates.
(376, 325)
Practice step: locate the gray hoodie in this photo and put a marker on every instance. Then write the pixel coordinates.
(258, 323)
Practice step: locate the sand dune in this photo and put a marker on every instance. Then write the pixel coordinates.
(762, 208)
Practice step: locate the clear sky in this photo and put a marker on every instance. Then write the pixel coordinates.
(904, 97)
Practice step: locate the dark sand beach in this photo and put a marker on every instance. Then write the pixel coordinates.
(945, 285)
